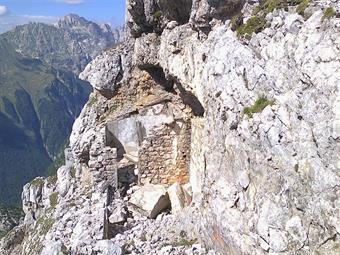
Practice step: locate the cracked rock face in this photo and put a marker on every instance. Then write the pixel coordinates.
(276, 171)
(261, 155)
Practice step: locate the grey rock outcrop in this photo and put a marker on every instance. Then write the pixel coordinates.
(104, 72)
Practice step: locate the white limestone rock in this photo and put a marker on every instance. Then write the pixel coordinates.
(177, 198)
(104, 72)
(107, 247)
(118, 214)
(64, 180)
(153, 199)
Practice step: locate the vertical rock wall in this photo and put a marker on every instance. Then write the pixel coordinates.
(266, 181)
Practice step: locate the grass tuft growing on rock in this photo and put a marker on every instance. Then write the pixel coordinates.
(93, 99)
(184, 242)
(45, 225)
(236, 22)
(73, 172)
(54, 199)
(258, 106)
(157, 15)
(302, 7)
(37, 182)
(270, 5)
(258, 21)
(328, 13)
(52, 179)
(2, 234)
(253, 25)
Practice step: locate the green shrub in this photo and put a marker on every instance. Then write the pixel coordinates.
(257, 9)
(157, 14)
(54, 199)
(2, 234)
(270, 5)
(254, 25)
(258, 106)
(328, 13)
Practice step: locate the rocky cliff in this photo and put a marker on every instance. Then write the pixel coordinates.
(213, 129)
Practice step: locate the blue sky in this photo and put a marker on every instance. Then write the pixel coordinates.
(14, 12)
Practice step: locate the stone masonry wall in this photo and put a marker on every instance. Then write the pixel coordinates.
(165, 155)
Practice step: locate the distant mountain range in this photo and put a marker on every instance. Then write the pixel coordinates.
(40, 94)
(69, 44)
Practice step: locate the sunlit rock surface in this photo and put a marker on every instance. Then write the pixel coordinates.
(260, 162)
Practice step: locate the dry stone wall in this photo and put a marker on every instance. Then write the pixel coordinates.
(164, 156)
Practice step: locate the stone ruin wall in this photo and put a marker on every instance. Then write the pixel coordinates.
(164, 157)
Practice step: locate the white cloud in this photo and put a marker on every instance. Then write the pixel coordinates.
(3, 10)
(71, 1)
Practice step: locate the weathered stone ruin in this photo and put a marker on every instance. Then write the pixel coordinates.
(213, 129)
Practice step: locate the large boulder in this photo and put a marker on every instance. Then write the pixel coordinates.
(153, 199)
(146, 51)
(105, 72)
(118, 213)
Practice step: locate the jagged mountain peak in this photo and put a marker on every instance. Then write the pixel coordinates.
(69, 44)
(74, 20)
(72, 17)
